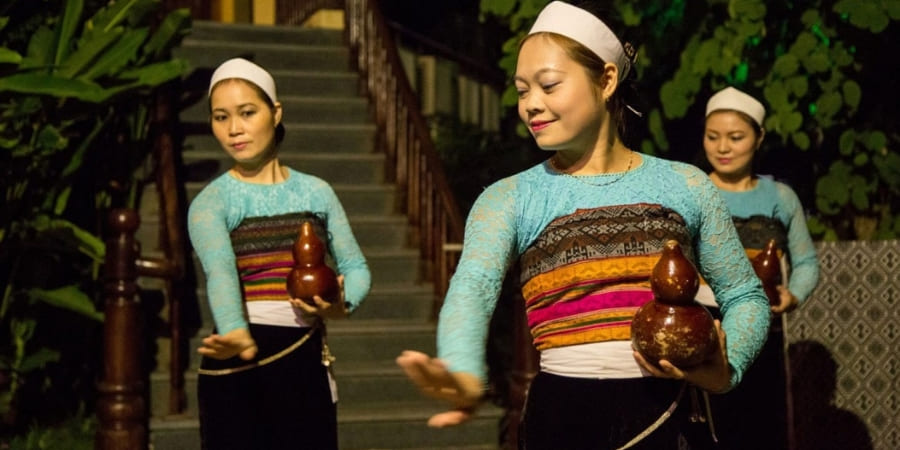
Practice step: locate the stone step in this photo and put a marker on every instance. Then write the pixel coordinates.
(392, 425)
(303, 138)
(273, 56)
(335, 168)
(376, 341)
(300, 110)
(204, 30)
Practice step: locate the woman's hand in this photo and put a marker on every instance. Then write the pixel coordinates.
(788, 302)
(713, 375)
(335, 310)
(235, 342)
(462, 390)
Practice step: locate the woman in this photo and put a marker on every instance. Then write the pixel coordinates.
(264, 379)
(586, 226)
(762, 209)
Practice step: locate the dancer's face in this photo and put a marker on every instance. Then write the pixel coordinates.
(242, 121)
(730, 142)
(559, 103)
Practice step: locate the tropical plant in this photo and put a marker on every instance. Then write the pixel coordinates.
(805, 59)
(76, 84)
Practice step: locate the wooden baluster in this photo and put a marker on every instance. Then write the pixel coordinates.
(121, 405)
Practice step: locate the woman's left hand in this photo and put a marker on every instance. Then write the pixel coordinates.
(334, 310)
(713, 375)
(788, 302)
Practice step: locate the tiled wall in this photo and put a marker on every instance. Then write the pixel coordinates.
(845, 350)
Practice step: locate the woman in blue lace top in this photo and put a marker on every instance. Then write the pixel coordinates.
(586, 227)
(762, 209)
(264, 381)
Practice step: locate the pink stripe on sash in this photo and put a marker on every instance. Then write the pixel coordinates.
(593, 303)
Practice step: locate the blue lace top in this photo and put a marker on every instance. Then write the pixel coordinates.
(221, 207)
(510, 214)
(774, 199)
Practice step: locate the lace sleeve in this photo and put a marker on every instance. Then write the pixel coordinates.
(804, 264)
(210, 238)
(488, 248)
(724, 264)
(350, 260)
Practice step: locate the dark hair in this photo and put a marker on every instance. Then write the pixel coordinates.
(279, 129)
(618, 103)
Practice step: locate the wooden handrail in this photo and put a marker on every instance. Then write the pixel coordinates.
(413, 163)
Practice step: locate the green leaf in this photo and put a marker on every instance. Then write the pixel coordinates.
(88, 52)
(159, 73)
(888, 167)
(85, 242)
(797, 85)
(846, 142)
(657, 131)
(892, 8)
(8, 56)
(859, 198)
(50, 138)
(673, 100)
(860, 159)
(169, 33)
(123, 52)
(804, 44)
(810, 17)
(40, 50)
(71, 18)
(817, 62)
(54, 86)
(70, 298)
(786, 65)
(875, 141)
(501, 8)
(801, 140)
(790, 122)
(852, 93)
(38, 359)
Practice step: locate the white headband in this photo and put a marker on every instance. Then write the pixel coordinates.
(245, 70)
(733, 99)
(586, 29)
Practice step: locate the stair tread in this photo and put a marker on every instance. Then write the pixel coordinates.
(257, 46)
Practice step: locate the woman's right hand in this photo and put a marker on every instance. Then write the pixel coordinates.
(462, 390)
(235, 342)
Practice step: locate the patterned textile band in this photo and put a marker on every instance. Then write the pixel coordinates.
(588, 273)
(756, 231)
(262, 247)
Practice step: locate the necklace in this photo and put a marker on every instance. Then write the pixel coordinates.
(582, 178)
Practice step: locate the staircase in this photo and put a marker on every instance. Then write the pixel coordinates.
(329, 135)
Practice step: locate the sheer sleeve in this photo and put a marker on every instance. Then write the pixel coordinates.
(804, 264)
(350, 260)
(723, 263)
(209, 234)
(488, 248)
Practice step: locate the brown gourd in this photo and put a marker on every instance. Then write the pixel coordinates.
(672, 325)
(768, 268)
(310, 276)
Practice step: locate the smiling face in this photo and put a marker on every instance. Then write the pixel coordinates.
(559, 103)
(730, 141)
(243, 122)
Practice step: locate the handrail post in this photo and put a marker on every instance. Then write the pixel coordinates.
(121, 404)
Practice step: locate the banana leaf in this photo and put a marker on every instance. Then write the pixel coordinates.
(70, 298)
(40, 53)
(156, 73)
(170, 31)
(88, 52)
(42, 84)
(123, 52)
(72, 235)
(69, 22)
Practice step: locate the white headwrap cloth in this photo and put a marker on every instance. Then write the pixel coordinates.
(245, 70)
(584, 28)
(735, 100)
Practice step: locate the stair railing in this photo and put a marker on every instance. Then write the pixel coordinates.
(412, 161)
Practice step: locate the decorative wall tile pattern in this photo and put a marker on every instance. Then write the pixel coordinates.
(845, 350)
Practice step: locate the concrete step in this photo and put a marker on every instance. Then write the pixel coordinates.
(393, 425)
(304, 138)
(300, 109)
(273, 56)
(335, 168)
(366, 342)
(204, 30)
